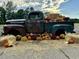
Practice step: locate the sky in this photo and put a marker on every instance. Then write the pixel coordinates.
(68, 8)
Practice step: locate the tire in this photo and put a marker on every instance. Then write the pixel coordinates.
(14, 32)
(59, 32)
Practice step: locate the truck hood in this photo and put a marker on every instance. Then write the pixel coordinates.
(64, 25)
(15, 21)
(13, 25)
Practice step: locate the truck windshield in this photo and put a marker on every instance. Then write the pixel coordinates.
(35, 16)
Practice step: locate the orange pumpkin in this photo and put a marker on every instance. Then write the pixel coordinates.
(57, 37)
(71, 40)
(33, 37)
(53, 37)
(29, 37)
(5, 43)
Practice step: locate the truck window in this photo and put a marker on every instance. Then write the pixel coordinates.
(35, 16)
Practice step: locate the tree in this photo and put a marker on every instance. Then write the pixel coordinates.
(9, 9)
(2, 15)
(20, 14)
(13, 15)
(66, 19)
(26, 12)
(31, 9)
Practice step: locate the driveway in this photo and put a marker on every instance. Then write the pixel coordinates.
(47, 49)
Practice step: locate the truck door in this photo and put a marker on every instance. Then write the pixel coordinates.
(34, 24)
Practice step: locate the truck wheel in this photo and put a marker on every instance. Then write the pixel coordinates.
(59, 32)
(14, 32)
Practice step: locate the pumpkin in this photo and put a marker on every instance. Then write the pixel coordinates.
(53, 37)
(39, 38)
(18, 37)
(71, 40)
(8, 40)
(57, 37)
(43, 37)
(29, 37)
(24, 38)
(62, 36)
(33, 37)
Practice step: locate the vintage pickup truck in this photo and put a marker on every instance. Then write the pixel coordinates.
(35, 23)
